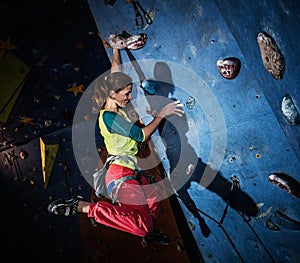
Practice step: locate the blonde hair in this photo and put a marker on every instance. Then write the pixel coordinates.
(115, 81)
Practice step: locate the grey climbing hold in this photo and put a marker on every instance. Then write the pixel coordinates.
(190, 102)
(289, 110)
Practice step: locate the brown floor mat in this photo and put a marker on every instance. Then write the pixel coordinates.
(105, 244)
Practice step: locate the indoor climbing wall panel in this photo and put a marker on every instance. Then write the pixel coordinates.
(270, 17)
(237, 154)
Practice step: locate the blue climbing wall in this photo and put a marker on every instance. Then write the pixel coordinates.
(234, 135)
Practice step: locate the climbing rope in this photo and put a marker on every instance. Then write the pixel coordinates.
(235, 184)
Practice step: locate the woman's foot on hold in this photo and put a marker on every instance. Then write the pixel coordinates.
(64, 206)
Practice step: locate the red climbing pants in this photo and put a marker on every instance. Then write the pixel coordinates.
(138, 204)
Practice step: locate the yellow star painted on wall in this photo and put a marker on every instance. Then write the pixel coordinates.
(76, 89)
(80, 46)
(7, 45)
(67, 21)
(27, 121)
(40, 63)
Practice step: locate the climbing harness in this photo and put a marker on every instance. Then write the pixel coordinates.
(115, 185)
(99, 178)
(139, 20)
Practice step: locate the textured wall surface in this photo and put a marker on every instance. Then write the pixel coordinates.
(236, 129)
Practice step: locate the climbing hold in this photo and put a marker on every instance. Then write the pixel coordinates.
(191, 225)
(180, 248)
(23, 154)
(286, 182)
(48, 123)
(229, 68)
(285, 222)
(271, 56)
(263, 214)
(289, 110)
(127, 41)
(271, 225)
(150, 86)
(190, 102)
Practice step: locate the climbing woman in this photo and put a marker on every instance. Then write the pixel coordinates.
(121, 138)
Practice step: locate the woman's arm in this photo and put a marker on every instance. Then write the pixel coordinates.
(169, 109)
(117, 124)
(116, 63)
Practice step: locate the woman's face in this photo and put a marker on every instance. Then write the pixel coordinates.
(123, 97)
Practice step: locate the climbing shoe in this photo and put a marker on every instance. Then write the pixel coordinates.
(64, 206)
(155, 237)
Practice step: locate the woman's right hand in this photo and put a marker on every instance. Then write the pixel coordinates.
(174, 107)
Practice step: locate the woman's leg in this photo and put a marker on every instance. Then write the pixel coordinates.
(132, 215)
(153, 196)
(128, 218)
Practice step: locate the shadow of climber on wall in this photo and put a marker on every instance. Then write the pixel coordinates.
(184, 162)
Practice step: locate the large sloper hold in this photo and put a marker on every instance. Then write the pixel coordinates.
(286, 182)
(272, 58)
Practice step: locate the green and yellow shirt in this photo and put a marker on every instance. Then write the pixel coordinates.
(120, 135)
